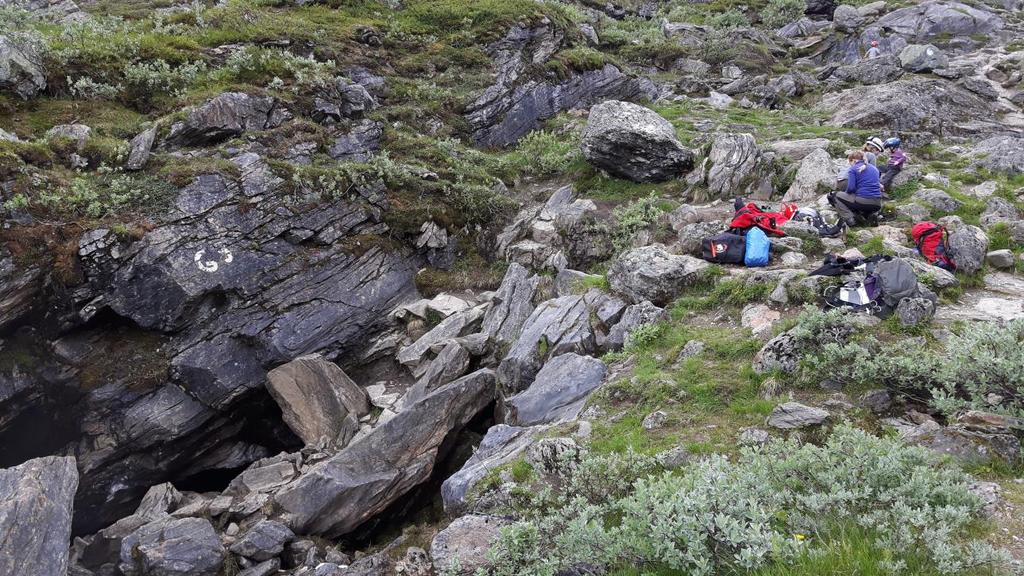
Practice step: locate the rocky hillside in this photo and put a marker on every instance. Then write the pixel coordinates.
(369, 287)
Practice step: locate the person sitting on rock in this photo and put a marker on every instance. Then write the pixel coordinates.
(873, 52)
(872, 148)
(897, 158)
(862, 200)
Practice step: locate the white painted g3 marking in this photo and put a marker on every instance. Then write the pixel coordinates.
(213, 265)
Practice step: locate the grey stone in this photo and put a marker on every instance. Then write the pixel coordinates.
(172, 547)
(779, 353)
(797, 150)
(359, 143)
(846, 18)
(336, 496)
(1001, 258)
(866, 72)
(793, 415)
(968, 246)
(228, 115)
(513, 304)
(1001, 154)
(922, 58)
(141, 145)
(689, 350)
(267, 568)
(633, 317)
(548, 455)
(35, 515)
(915, 311)
(753, 437)
(654, 420)
(652, 273)
(877, 401)
(558, 392)
(914, 212)
(263, 541)
(79, 134)
(800, 229)
(21, 65)
(674, 458)
(738, 167)
(464, 544)
(999, 210)
(557, 326)
(911, 104)
(938, 200)
(633, 142)
(965, 445)
(318, 401)
(815, 176)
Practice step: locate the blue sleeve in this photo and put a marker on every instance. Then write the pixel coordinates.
(851, 180)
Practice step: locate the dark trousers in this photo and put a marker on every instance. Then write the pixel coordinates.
(888, 173)
(852, 208)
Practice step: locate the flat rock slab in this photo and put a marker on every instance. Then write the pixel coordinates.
(35, 516)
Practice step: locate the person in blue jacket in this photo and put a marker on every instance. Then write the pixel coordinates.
(862, 200)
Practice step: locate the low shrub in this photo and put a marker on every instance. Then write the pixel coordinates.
(634, 217)
(778, 13)
(772, 505)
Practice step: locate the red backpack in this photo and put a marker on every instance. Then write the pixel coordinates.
(930, 239)
(751, 215)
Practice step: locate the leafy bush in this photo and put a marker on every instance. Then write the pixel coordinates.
(980, 368)
(728, 20)
(772, 505)
(633, 218)
(778, 13)
(146, 81)
(105, 195)
(542, 153)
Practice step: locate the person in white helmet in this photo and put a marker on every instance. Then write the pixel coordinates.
(872, 147)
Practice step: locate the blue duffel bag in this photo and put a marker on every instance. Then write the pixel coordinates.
(757, 248)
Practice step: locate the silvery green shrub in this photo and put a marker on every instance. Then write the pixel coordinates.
(717, 515)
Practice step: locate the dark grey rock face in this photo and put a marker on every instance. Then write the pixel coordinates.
(558, 392)
(359, 143)
(464, 544)
(35, 516)
(233, 282)
(336, 496)
(515, 104)
(867, 72)
(633, 142)
(225, 116)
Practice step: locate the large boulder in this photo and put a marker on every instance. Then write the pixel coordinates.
(633, 142)
(633, 317)
(922, 58)
(999, 210)
(559, 391)
(940, 19)
(318, 401)
(1001, 154)
(35, 516)
(173, 547)
(927, 105)
(738, 167)
(968, 246)
(846, 18)
(336, 496)
(797, 150)
(21, 65)
(815, 176)
(653, 273)
(227, 115)
(461, 548)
